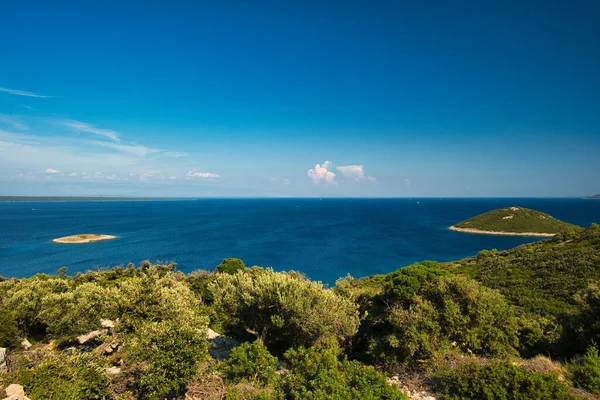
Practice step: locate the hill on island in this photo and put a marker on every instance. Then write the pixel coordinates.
(596, 196)
(513, 220)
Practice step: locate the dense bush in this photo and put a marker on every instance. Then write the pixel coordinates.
(250, 362)
(25, 299)
(319, 373)
(585, 370)
(231, 265)
(9, 331)
(62, 377)
(283, 309)
(165, 355)
(423, 311)
(499, 381)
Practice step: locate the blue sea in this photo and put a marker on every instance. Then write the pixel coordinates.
(323, 238)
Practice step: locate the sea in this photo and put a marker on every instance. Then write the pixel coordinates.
(323, 238)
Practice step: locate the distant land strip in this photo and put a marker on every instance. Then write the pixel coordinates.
(481, 232)
(83, 198)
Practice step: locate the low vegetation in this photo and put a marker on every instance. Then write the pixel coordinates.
(518, 324)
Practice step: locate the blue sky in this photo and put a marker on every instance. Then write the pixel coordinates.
(300, 98)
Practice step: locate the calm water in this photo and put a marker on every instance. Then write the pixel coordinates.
(325, 239)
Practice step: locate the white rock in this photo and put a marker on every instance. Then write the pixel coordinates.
(107, 323)
(2, 358)
(25, 344)
(113, 370)
(88, 337)
(15, 390)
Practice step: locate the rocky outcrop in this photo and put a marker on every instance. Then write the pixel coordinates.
(220, 346)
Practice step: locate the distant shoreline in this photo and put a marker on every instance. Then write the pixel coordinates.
(481, 232)
(83, 238)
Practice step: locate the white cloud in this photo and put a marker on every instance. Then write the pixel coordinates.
(195, 174)
(355, 172)
(407, 182)
(286, 181)
(320, 173)
(88, 128)
(73, 174)
(22, 93)
(51, 171)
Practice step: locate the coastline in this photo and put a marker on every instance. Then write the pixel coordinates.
(480, 232)
(83, 238)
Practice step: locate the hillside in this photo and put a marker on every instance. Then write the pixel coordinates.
(513, 221)
(596, 196)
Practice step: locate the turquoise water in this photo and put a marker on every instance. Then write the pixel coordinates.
(325, 239)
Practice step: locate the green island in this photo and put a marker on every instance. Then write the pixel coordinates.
(83, 238)
(596, 196)
(513, 221)
(517, 324)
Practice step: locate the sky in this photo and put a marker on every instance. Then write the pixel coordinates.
(300, 98)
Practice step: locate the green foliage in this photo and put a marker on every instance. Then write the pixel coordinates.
(250, 362)
(24, 298)
(424, 311)
(319, 374)
(166, 354)
(9, 330)
(584, 326)
(61, 377)
(198, 282)
(231, 266)
(78, 310)
(585, 371)
(283, 309)
(499, 381)
(516, 219)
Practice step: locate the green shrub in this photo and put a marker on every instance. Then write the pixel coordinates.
(283, 309)
(61, 377)
(24, 297)
(9, 330)
(166, 354)
(585, 371)
(250, 362)
(499, 381)
(319, 374)
(231, 266)
(447, 313)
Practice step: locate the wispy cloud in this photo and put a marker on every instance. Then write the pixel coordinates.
(89, 128)
(321, 173)
(17, 92)
(51, 171)
(195, 174)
